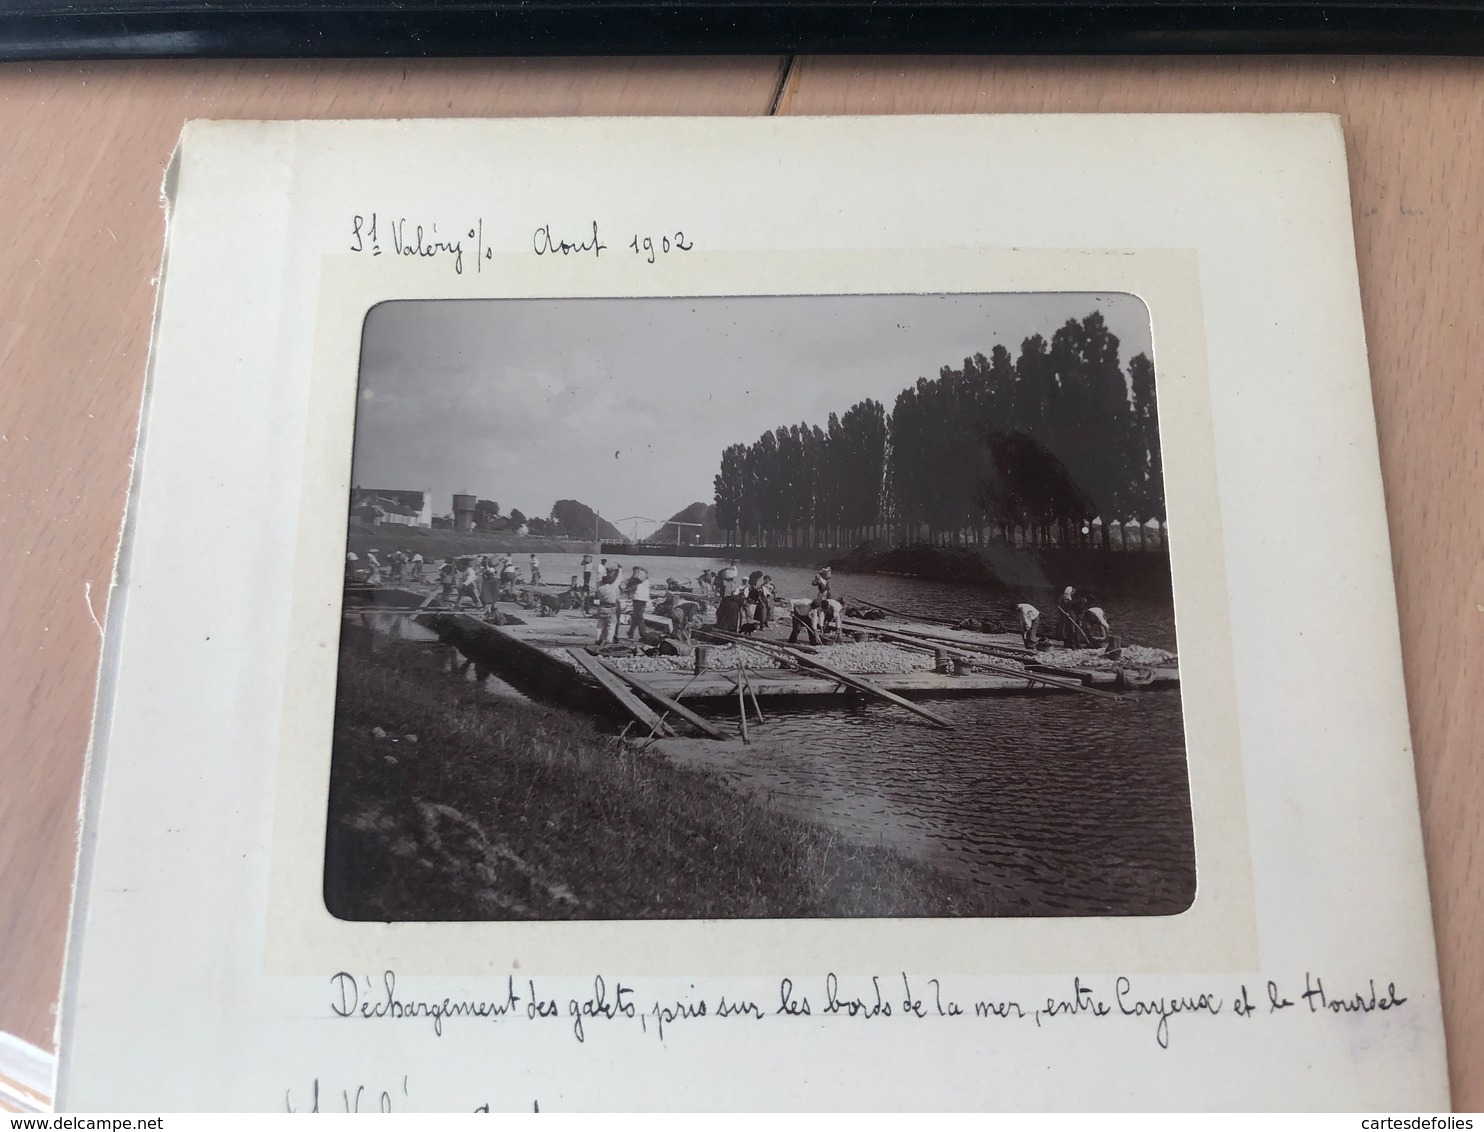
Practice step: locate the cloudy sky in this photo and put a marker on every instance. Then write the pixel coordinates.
(626, 404)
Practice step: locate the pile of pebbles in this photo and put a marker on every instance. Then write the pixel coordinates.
(863, 658)
(1131, 656)
(725, 659)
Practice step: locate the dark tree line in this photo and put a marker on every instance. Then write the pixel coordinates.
(1040, 444)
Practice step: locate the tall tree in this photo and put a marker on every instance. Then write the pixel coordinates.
(1046, 440)
(729, 485)
(1148, 494)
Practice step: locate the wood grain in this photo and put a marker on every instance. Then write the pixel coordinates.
(83, 149)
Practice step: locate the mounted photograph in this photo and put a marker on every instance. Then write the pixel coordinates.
(758, 608)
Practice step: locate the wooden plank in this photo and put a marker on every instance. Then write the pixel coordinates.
(859, 683)
(945, 636)
(963, 640)
(763, 682)
(866, 686)
(719, 685)
(626, 698)
(742, 707)
(747, 683)
(1072, 685)
(659, 697)
(919, 617)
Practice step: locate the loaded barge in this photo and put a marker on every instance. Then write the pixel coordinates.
(894, 658)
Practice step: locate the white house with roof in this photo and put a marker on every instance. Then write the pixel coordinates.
(394, 506)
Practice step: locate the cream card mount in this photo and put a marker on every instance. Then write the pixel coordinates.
(1074, 409)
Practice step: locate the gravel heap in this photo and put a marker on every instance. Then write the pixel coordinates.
(1132, 656)
(863, 658)
(727, 659)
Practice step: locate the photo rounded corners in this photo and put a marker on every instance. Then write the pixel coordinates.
(1181, 901)
(377, 306)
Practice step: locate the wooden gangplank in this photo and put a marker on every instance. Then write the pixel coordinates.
(701, 725)
(850, 680)
(610, 682)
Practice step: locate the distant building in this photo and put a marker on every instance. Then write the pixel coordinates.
(380, 506)
(463, 512)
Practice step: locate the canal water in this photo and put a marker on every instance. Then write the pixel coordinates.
(1064, 804)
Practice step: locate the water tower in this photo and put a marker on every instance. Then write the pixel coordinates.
(463, 512)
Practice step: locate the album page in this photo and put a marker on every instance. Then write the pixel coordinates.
(881, 613)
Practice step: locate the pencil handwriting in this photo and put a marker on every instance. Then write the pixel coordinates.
(458, 243)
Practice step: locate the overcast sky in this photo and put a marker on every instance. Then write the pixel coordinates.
(626, 404)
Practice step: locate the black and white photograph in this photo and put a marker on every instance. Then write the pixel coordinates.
(757, 608)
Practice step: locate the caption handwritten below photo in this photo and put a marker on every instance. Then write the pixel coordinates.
(895, 999)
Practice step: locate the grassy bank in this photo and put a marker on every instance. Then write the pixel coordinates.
(507, 810)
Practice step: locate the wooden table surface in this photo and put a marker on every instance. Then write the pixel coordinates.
(82, 150)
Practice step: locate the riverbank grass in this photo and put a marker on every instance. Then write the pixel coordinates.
(449, 804)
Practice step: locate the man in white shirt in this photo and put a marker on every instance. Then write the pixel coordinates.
(1030, 618)
(607, 597)
(637, 588)
(468, 586)
(535, 571)
(1095, 623)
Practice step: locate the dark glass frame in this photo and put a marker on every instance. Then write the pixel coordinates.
(99, 29)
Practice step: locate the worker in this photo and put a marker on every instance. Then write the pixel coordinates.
(447, 579)
(821, 584)
(468, 585)
(752, 596)
(489, 584)
(729, 600)
(682, 612)
(535, 571)
(637, 589)
(587, 571)
(808, 617)
(1067, 627)
(607, 607)
(508, 575)
(1030, 618)
(417, 567)
(765, 597)
(1094, 621)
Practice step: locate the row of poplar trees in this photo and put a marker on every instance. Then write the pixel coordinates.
(1042, 443)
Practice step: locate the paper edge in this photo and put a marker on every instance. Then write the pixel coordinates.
(95, 756)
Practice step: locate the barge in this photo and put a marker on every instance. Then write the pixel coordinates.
(891, 657)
